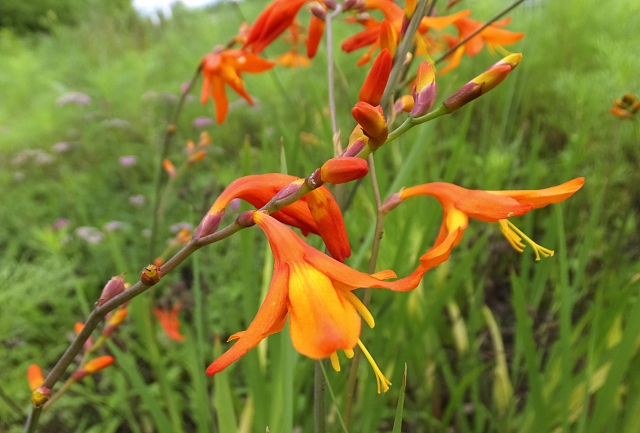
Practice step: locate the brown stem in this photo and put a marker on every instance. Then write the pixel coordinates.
(164, 151)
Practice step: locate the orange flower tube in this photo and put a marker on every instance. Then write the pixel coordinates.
(376, 81)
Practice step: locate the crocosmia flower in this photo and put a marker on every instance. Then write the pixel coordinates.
(460, 204)
(316, 213)
(316, 292)
(225, 68)
(271, 23)
(169, 321)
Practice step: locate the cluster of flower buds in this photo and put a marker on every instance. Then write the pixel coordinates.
(627, 107)
(195, 153)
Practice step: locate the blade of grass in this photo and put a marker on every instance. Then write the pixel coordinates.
(397, 422)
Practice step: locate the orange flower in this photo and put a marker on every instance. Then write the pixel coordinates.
(291, 59)
(169, 321)
(316, 29)
(343, 170)
(493, 36)
(226, 67)
(627, 107)
(272, 22)
(316, 213)
(460, 204)
(316, 292)
(373, 123)
(35, 377)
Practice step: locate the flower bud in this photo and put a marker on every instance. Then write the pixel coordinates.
(391, 203)
(373, 123)
(628, 98)
(87, 344)
(114, 321)
(621, 112)
(318, 11)
(388, 38)
(113, 288)
(92, 367)
(245, 219)
(343, 170)
(405, 103)
(35, 377)
(159, 261)
(150, 275)
(373, 86)
(483, 82)
(40, 396)
(169, 168)
(354, 148)
(330, 4)
(198, 156)
(209, 224)
(425, 91)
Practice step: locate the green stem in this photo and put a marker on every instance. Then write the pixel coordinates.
(164, 151)
(319, 411)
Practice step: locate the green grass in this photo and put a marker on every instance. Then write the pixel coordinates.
(569, 324)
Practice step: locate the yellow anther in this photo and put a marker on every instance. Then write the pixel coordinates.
(515, 236)
(382, 381)
(349, 353)
(360, 307)
(335, 362)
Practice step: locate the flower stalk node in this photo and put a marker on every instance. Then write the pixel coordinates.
(40, 396)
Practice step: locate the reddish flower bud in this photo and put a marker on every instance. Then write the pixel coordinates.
(288, 190)
(373, 86)
(330, 4)
(245, 219)
(318, 11)
(343, 170)
(35, 377)
(391, 203)
(405, 103)
(425, 91)
(483, 82)
(355, 148)
(113, 288)
(209, 224)
(150, 275)
(373, 123)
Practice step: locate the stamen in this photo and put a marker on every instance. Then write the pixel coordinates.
(348, 352)
(514, 234)
(360, 307)
(380, 378)
(335, 362)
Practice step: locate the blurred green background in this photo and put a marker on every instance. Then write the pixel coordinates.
(493, 341)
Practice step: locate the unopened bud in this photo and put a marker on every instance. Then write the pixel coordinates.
(114, 321)
(113, 288)
(34, 377)
(198, 156)
(209, 224)
(373, 123)
(343, 170)
(40, 396)
(288, 190)
(425, 91)
(621, 112)
(373, 86)
(405, 103)
(150, 275)
(391, 203)
(169, 168)
(79, 327)
(159, 261)
(171, 129)
(93, 367)
(483, 82)
(330, 4)
(245, 219)
(347, 5)
(318, 11)
(355, 148)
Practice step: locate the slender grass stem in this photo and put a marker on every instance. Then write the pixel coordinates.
(164, 151)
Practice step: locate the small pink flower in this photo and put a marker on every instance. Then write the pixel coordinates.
(59, 224)
(128, 160)
(201, 122)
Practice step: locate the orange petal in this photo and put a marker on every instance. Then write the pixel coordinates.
(500, 36)
(376, 81)
(388, 37)
(543, 197)
(455, 60)
(34, 376)
(391, 11)
(322, 319)
(220, 99)
(273, 21)
(98, 364)
(316, 29)
(328, 218)
(270, 319)
(439, 23)
(361, 39)
(245, 61)
(476, 204)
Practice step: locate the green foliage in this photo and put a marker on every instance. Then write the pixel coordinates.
(569, 324)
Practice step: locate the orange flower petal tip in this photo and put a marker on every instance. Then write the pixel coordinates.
(425, 91)
(34, 377)
(343, 170)
(373, 123)
(170, 322)
(78, 326)
(98, 364)
(544, 197)
(272, 22)
(376, 81)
